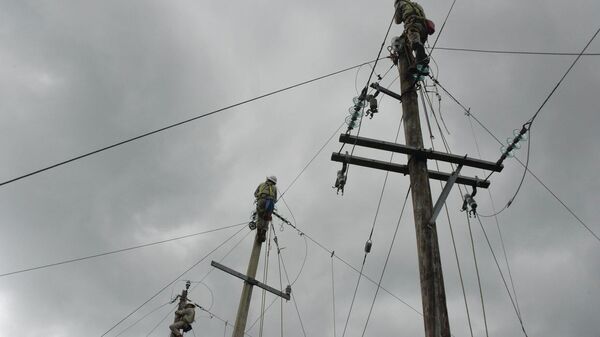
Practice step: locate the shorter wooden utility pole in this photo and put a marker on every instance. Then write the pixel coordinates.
(182, 300)
(250, 282)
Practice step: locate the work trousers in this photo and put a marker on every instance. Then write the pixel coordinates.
(416, 37)
(175, 327)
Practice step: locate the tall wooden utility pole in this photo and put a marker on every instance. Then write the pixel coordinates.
(433, 295)
(435, 314)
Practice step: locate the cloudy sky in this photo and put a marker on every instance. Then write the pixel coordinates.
(76, 76)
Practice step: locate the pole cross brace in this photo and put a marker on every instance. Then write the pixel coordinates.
(250, 280)
(388, 92)
(398, 168)
(444, 195)
(413, 151)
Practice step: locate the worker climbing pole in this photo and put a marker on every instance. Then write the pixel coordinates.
(416, 29)
(184, 315)
(266, 197)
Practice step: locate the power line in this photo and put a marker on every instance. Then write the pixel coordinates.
(469, 113)
(329, 251)
(563, 77)
(117, 251)
(516, 52)
(202, 279)
(170, 283)
(442, 29)
(462, 284)
(501, 274)
(477, 272)
(496, 219)
(180, 123)
(387, 258)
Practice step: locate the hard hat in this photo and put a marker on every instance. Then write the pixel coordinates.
(273, 179)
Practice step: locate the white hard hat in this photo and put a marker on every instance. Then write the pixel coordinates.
(272, 178)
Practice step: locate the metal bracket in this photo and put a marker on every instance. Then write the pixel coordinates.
(250, 280)
(444, 195)
(388, 92)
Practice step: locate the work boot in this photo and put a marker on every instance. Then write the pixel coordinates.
(261, 235)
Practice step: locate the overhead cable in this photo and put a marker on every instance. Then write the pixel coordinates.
(170, 283)
(387, 258)
(516, 52)
(442, 29)
(517, 312)
(470, 113)
(367, 277)
(202, 279)
(118, 250)
(180, 123)
(563, 77)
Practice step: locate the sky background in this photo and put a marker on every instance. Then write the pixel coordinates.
(80, 75)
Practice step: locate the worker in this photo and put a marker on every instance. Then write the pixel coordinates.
(416, 29)
(266, 197)
(185, 318)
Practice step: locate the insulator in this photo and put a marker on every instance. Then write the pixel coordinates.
(516, 145)
(288, 289)
(509, 154)
(350, 122)
(368, 246)
(358, 102)
(524, 137)
(354, 111)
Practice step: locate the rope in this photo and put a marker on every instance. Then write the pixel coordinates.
(329, 251)
(496, 219)
(170, 283)
(502, 276)
(264, 292)
(437, 164)
(387, 258)
(333, 294)
(280, 285)
(372, 230)
(477, 272)
(292, 295)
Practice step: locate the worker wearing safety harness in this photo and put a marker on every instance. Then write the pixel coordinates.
(416, 29)
(266, 197)
(185, 318)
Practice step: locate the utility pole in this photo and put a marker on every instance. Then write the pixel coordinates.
(244, 306)
(250, 281)
(433, 296)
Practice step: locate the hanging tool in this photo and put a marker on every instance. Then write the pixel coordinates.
(340, 180)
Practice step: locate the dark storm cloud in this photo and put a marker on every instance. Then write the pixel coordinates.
(81, 75)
